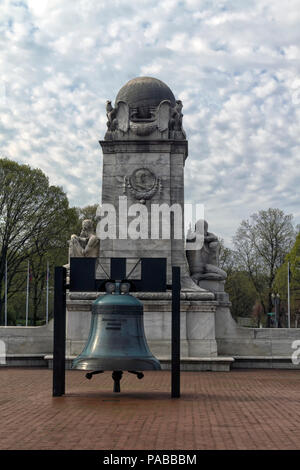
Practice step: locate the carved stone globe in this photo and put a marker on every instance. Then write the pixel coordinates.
(145, 94)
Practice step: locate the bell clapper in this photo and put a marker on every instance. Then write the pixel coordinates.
(117, 375)
(89, 375)
(139, 375)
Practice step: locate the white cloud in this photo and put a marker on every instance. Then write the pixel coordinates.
(234, 64)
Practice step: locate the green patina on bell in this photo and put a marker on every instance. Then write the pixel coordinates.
(117, 339)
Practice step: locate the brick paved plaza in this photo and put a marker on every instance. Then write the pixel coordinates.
(257, 409)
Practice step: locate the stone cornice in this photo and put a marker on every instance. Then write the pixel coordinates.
(148, 296)
(161, 306)
(141, 146)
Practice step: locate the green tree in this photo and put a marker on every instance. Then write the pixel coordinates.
(35, 222)
(242, 293)
(238, 284)
(227, 258)
(281, 278)
(261, 244)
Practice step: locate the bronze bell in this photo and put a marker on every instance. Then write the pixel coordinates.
(116, 339)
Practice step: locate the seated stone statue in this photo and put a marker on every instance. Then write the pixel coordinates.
(204, 262)
(86, 244)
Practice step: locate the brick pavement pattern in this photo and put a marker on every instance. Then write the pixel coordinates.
(257, 409)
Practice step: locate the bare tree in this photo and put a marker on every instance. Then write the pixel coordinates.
(227, 258)
(261, 244)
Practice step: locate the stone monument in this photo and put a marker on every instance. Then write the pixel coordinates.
(144, 154)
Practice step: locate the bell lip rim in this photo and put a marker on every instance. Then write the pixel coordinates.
(153, 360)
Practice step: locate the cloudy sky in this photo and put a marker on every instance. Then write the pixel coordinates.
(234, 64)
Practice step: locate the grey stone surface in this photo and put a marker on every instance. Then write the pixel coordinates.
(24, 360)
(144, 108)
(203, 260)
(145, 92)
(216, 364)
(263, 362)
(82, 296)
(86, 244)
(212, 285)
(129, 158)
(27, 340)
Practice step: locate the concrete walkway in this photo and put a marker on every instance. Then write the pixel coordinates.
(257, 409)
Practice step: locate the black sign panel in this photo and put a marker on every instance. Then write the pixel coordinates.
(82, 274)
(153, 275)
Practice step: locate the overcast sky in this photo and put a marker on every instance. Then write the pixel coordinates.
(234, 64)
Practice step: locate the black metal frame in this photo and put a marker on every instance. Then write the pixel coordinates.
(175, 384)
(59, 346)
(59, 340)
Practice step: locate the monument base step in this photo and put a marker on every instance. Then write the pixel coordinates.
(264, 362)
(192, 364)
(23, 360)
(219, 363)
(195, 364)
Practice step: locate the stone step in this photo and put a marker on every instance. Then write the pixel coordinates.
(192, 364)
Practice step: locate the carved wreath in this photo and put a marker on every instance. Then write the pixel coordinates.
(142, 194)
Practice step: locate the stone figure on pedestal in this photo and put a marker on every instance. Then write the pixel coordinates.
(86, 244)
(204, 262)
(111, 115)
